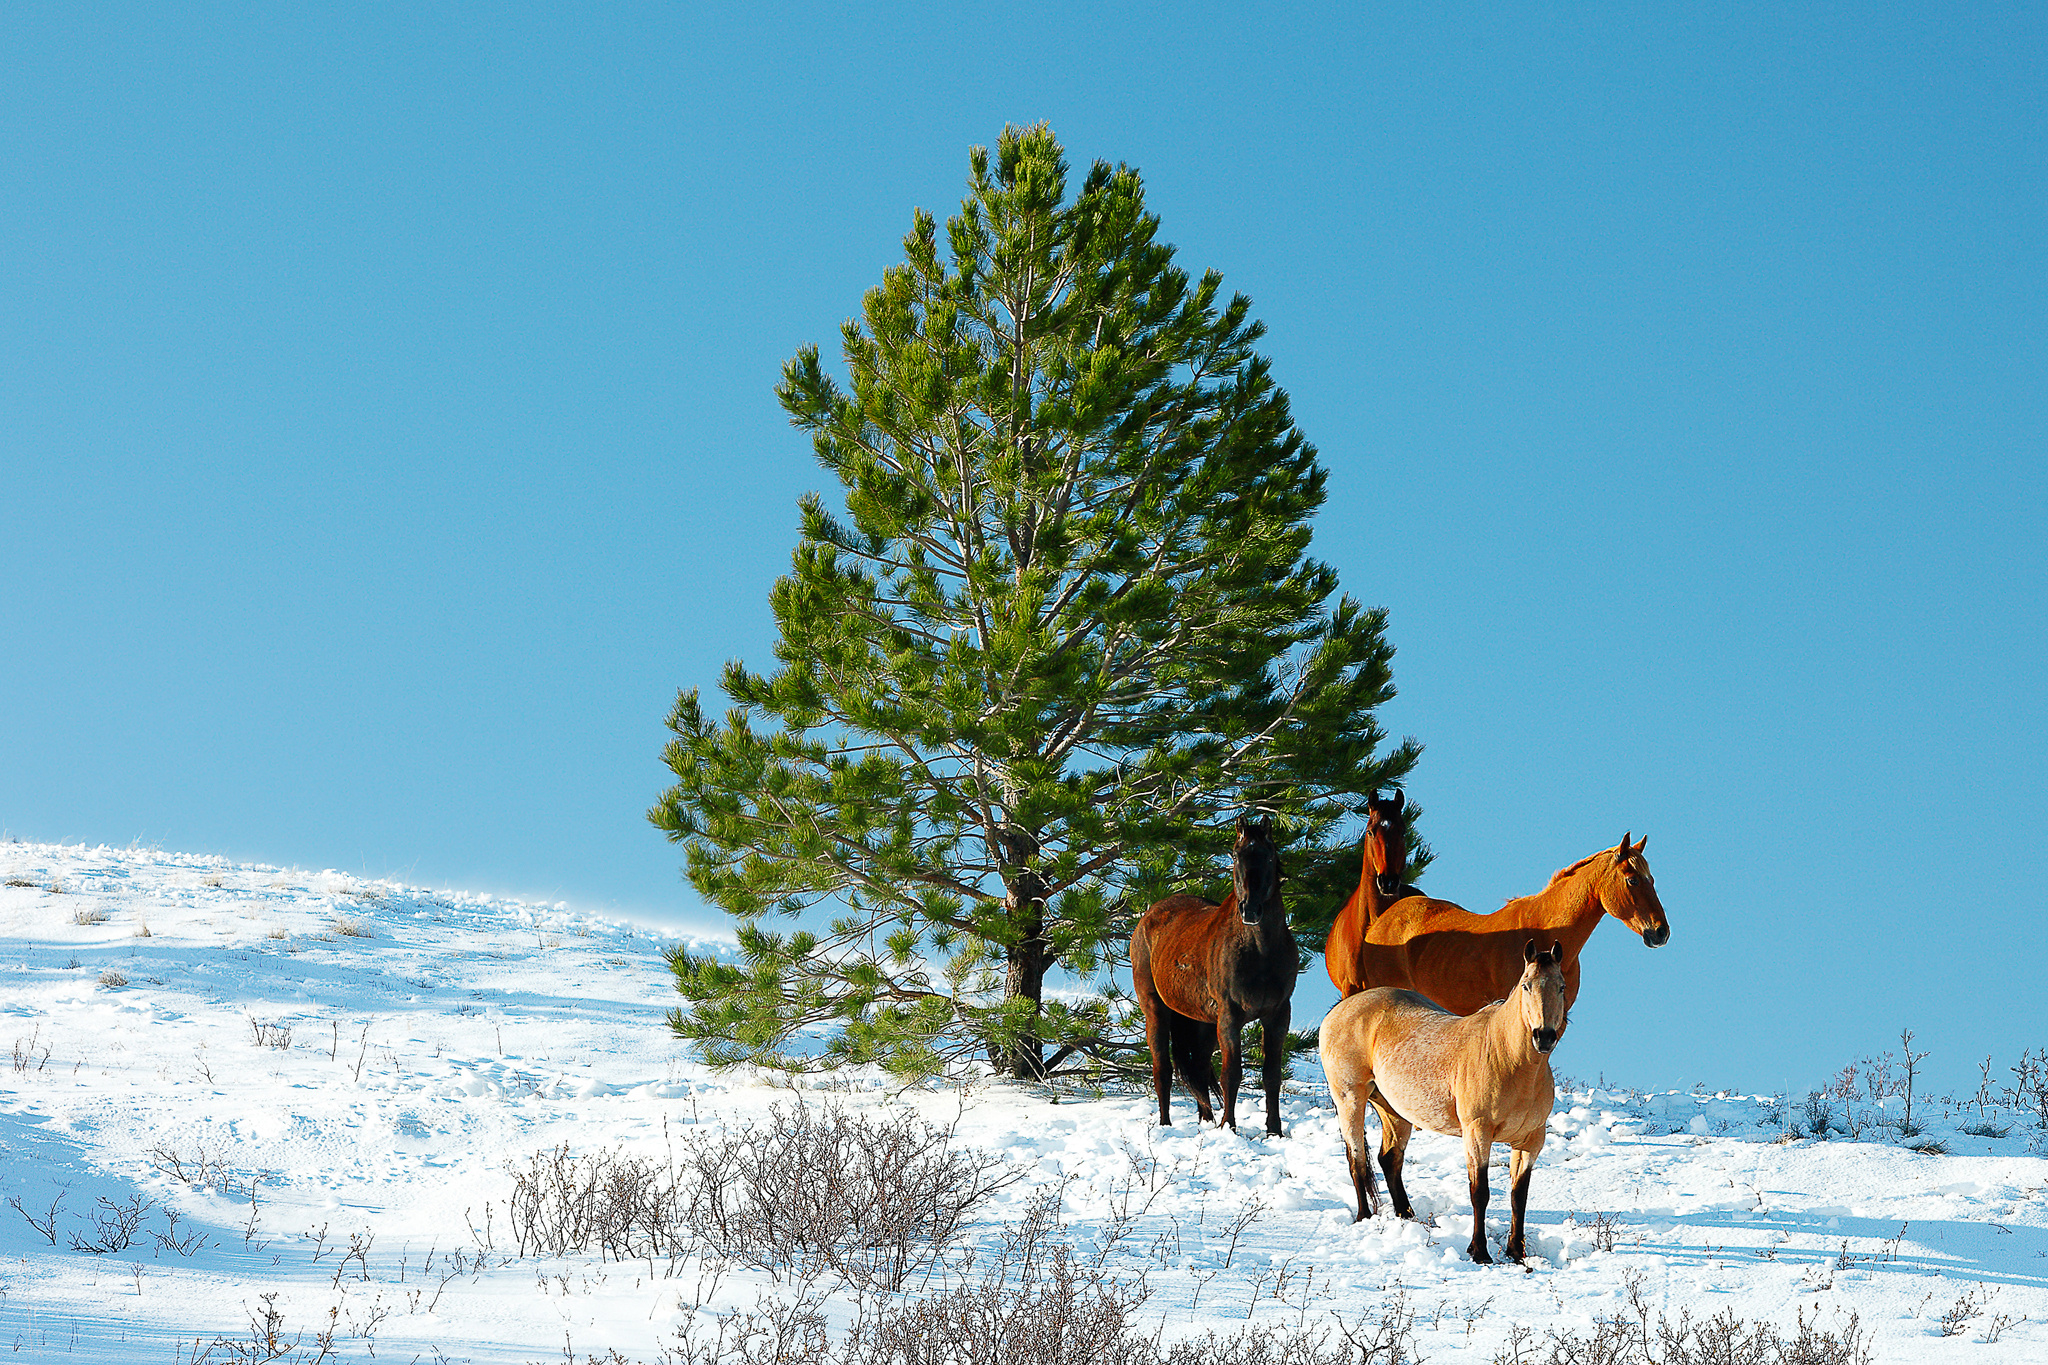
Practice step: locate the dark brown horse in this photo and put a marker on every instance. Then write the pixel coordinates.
(1201, 971)
(1382, 873)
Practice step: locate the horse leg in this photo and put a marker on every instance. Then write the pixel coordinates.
(1230, 1042)
(1191, 1055)
(1351, 1103)
(1478, 1146)
(1520, 1164)
(1158, 1030)
(1394, 1134)
(1273, 1042)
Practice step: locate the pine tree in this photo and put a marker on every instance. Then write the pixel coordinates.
(1064, 631)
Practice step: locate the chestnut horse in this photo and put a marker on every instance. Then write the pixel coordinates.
(1462, 960)
(1201, 971)
(1383, 870)
(1484, 1077)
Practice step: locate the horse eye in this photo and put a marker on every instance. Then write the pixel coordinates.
(1631, 881)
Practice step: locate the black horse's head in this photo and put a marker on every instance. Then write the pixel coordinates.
(1255, 869)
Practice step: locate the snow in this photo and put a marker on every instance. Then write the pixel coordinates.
(437, 1039)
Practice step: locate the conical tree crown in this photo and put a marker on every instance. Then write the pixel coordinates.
(1064, 628)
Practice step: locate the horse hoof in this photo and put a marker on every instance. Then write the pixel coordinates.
(1479, 1256)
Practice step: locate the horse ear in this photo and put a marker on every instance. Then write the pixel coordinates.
(1621, 855)
(1400, 802)
(1641, 844)
(1242, 824)
(1529, 951)
(1557, 951)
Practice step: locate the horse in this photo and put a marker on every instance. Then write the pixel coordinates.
(1382, 871)
(1201, 971)
(1462, 960)
(1484, 1077)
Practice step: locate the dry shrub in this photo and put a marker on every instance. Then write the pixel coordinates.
(875, 1202)
(623, 1207)
(1032, 1300)
(1038, 1301)
(278, 1036)
(350, 928)
(1723, 1339)
(88, 914)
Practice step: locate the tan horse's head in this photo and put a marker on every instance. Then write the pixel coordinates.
(1541, 994)
(1386, 842)
(1629, 893)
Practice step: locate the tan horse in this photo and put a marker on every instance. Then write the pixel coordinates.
(1462, 960)
(1484, 1077)
(1383, 868)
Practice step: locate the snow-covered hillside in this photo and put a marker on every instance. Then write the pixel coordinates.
(314, 1088)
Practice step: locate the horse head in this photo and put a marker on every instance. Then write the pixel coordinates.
(1386, 843)
(1541, 994)
(1629, 893)
(1255, 868)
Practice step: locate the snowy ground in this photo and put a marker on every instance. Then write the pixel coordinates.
(438, 1038)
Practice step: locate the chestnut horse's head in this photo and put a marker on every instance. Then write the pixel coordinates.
(1541, 994)
(1386, 843)
(1255, 868)
(1629, 893)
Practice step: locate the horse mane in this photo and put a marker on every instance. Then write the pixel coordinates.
(1564, 872)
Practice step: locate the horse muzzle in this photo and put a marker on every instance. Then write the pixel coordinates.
(1544, 1038)
(1657, 935)
(1388, 885)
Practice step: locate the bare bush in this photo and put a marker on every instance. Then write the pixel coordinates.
(1262, 1346)
(622, 1207)
(351, 928)
(25, 1058)
(267, 1342)
(776, 1331)
(2029, 1090)
(1631, 1338)
(1036, 1301)
(88, 914)
(1820, 1115)
(277, 1036)
(1603, 1229)
(875, 1201)
(46, 1222)
(113, 980)
(113, 1225)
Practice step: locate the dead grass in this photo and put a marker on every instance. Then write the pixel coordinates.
(88, 914)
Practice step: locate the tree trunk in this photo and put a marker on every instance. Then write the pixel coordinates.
(1024, 1058)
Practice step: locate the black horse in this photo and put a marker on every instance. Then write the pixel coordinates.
(1202, 971)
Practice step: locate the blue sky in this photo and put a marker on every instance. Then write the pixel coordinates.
(386, 432)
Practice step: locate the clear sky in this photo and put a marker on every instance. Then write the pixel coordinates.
(386, 433)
